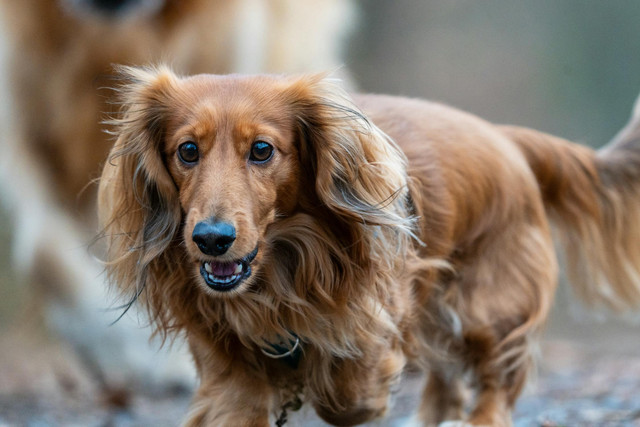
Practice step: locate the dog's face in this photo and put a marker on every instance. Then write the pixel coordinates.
(207, 166)
(231, 150)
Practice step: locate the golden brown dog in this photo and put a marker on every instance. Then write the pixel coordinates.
(276, 217)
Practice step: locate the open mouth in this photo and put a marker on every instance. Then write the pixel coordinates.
(226, 276)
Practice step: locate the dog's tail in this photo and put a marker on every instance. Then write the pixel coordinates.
(593, 199)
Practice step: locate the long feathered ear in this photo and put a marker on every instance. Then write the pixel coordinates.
(360, 173)
(138, 200)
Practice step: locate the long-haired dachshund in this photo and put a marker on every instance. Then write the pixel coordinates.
(311, 244)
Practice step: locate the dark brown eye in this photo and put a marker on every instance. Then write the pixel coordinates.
(188, 153)
(261, 152)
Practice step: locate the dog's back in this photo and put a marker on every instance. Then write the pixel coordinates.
(593, 196)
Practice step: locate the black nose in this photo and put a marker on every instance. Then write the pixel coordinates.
(213, 237)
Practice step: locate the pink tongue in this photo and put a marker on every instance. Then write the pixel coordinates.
(222, 269)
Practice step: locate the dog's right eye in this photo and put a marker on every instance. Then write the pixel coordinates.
(188, 153)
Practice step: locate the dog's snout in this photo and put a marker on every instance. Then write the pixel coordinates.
(213, 237)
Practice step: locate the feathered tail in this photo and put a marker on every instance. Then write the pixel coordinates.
(593, 198)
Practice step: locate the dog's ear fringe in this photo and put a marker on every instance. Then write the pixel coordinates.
(360, 172)
(137, 197)
(136, 89)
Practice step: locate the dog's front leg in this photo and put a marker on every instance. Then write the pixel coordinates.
(230, 392)
(361, 388)
(228, 403)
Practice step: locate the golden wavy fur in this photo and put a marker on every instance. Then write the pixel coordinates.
(436, 251)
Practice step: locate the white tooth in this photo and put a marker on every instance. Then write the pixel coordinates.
(207, 267)
(238, 269)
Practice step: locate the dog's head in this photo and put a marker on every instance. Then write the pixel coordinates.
(205, 167)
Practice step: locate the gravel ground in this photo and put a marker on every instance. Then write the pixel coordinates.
(576, 385)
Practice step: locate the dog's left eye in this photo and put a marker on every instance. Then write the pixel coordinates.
(188, 153)
(261, 152)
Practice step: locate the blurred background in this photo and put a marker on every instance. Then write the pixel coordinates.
(567, 67)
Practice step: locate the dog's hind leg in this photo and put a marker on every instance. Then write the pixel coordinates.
(501, 294)
(442, 399)
(493, 409)
(507, 294)
(498, 381)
